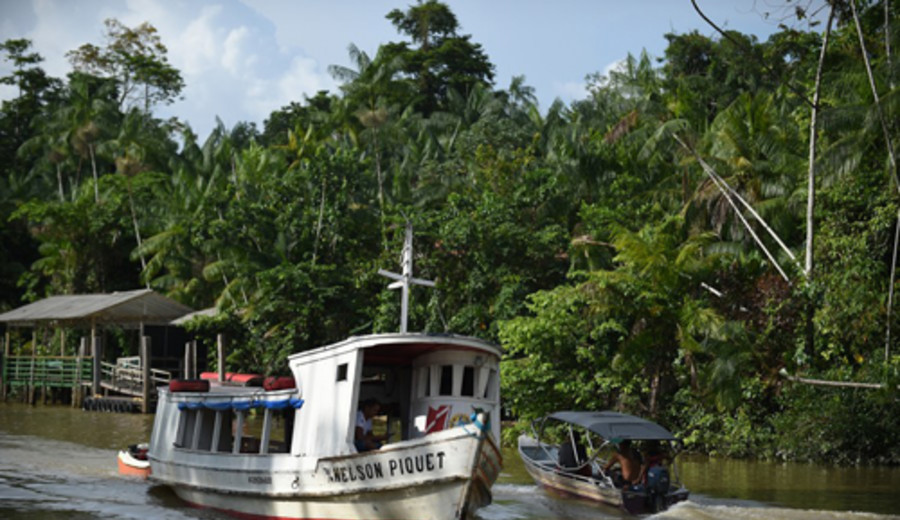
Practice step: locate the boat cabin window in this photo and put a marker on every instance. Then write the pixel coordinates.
(455, 380)
(468, 382)
(342, 372)
(424, 382)
(446, 380)
(255, 431)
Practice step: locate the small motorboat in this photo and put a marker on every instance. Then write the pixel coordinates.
(575, 464)
(133, 461)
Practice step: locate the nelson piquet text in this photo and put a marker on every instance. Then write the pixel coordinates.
(376, 470)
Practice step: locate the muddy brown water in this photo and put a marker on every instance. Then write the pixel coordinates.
(60, 463)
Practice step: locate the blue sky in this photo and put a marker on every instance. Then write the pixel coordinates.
(242, 59)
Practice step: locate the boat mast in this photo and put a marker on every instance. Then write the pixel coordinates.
(403, 281)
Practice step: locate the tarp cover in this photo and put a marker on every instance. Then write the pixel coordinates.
(615, 426)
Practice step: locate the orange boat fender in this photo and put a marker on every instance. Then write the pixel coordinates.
(189, 385)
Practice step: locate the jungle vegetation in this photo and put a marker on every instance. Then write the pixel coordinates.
(602, 243)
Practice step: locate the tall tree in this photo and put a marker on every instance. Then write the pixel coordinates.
(137, 60)
(439, 59)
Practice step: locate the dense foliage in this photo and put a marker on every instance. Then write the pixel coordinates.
(597, 242)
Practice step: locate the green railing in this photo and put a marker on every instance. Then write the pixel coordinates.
(46, 371)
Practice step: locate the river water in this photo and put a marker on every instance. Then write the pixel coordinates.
(59, 463)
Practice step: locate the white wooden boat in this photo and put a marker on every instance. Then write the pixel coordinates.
(586, 478)
(290, 453)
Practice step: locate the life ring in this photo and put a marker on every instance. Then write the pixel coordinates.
(189, 385)
(279, 383)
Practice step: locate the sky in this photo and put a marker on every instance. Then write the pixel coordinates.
(243, 59)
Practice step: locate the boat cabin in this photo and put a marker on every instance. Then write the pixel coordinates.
(424, 383)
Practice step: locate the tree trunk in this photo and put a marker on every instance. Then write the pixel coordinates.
(654, 392)
(813, 135)
(380, 175)
(319, 223)
(94, 171)
(893, 161)
(811, 187)
(137, 229)
(59, 182)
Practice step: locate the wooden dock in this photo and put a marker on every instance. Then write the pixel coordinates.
(85, 380)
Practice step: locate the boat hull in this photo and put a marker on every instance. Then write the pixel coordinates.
(444, 476)
(430, 501)
(633, 501)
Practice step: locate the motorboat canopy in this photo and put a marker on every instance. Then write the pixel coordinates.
(615, 425)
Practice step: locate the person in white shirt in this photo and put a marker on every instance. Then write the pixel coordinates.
(364, 439)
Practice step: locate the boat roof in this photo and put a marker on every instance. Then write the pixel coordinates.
(398, 348)
(615, 426)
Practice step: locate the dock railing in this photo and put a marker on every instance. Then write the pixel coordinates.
(46, 371)
(33, 372)
(126, 376)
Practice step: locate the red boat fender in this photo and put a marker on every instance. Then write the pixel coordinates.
(189, 385)
(234, 379)
(279, 383)
(244, 379)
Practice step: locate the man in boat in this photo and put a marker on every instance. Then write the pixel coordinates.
(629, 464)
(364, 439)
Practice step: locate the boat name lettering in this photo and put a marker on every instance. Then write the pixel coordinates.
(259, 480)
(367, 471)
(373, 470)
(416, 464)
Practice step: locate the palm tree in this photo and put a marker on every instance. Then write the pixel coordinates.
(86, 117)
(366, 97)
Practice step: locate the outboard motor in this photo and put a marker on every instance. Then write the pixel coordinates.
(657, 487)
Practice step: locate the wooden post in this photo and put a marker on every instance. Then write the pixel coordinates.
(145, 374)
(78, 389)
(194, 359)
(187, 361)
(221, 343)
(97, 351)
(5, 373)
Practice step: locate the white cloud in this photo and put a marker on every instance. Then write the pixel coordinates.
(570, 90)
(197, 49)
(233, 58)
(618, 65)
(303, 78)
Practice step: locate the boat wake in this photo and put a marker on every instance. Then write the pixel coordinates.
(695, 511)
(529, 502)
(48, 479)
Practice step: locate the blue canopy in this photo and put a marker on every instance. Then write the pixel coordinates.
(293, 402)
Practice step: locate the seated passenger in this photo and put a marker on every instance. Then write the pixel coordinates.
(654, 456)
(364, 439)
(573, 458)
(629, 464)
